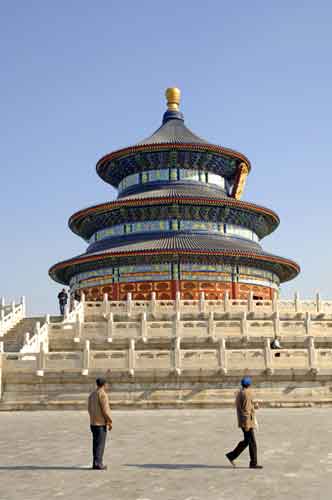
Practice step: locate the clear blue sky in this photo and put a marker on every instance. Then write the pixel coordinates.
(80, 79)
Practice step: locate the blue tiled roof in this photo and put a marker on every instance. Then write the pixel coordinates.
(173, 131)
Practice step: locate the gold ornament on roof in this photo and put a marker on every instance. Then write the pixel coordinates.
(242, 180)
(173, 96)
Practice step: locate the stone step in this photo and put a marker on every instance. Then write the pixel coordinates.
(71, 392)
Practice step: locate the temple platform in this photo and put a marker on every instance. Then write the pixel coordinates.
(168, 354)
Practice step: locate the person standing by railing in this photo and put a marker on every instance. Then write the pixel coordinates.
(63, 299)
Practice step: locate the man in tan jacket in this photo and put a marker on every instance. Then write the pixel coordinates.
(245, 408)
(100, 421)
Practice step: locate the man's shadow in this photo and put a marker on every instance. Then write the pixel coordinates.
(182, 466)
(45, 467)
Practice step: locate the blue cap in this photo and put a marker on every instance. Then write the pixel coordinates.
(246, 381)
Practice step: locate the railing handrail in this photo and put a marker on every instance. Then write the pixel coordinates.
(32, 344)
(11, 315)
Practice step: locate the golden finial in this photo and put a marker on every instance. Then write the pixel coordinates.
(173, 96)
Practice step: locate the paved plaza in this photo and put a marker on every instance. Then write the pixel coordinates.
(166, 454)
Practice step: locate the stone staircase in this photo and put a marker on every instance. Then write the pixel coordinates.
(14, 339)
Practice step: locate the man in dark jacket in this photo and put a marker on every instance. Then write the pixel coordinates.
(100, 421)
(245, 409)
(63, 299)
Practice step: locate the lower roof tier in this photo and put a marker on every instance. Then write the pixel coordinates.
(165, 247)
(261, 220)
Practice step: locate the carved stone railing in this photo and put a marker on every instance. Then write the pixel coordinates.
(177, 360)
(39, 340)
(71, 322)
(203, 305)
(240, 325)
(10, 315)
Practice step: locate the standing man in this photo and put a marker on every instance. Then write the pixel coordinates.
(245, 408)
(100, 421)
(63, 299)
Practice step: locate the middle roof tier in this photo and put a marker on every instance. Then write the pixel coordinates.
(182, 207)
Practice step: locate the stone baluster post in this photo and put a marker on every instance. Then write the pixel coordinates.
(307, 323)
(211, 325)
(78, 329)
(226, 302)
(66, 315)
(26, 338)
(251, 302)
(23, 303)
(268, 357)
(318, 303)
(144, 327)
(178, 302)
(110, 327)
(47, 321)
(131, 357)
(177, 355)
(12, 306)
(244, 325)
(275, 303)
(222, 356)
(297, 302)
(2, 302)
(177, 325)
(105, 306)
(312, 355)
(202, 302)
(276, 324)
(153, 304)
(129, 304)
(41, 360)
(37, 332)
(86, 358)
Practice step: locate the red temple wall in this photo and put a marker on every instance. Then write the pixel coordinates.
(166, 290)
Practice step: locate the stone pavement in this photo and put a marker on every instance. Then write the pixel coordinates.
(165, 455)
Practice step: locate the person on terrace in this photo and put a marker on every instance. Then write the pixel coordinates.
(275, 344)
(63, 299)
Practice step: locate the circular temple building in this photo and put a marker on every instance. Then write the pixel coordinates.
(177, 225)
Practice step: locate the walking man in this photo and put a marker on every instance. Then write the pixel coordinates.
(245, 408)
(100, 421)
(63, 299)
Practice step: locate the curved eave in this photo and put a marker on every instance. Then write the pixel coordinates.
(210, 148)
(77, 218)
(290, 268)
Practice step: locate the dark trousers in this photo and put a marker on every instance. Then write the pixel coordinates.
(99, 433)
(249, 440)
(62, 308)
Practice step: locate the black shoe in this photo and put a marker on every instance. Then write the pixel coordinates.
(99, 467)
(229, 458)
(255, 466)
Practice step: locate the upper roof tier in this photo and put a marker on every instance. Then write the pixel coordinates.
(175, 145)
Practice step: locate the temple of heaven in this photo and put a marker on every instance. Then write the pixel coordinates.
(177, 225)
